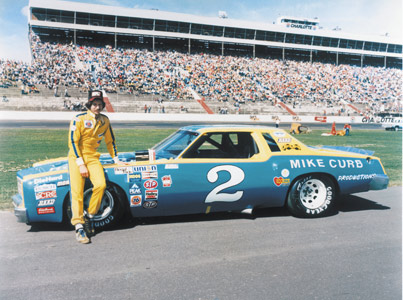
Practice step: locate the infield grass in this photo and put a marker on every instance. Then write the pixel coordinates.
(20, 148)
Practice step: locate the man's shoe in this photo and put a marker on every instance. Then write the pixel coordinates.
(81, 236)
(89, 226)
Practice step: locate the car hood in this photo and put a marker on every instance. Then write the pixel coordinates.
(60, 164)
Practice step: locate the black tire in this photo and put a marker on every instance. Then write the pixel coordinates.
(110, 212)
(311, 196)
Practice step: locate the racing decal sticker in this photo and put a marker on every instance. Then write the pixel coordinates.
(278, 181)
(48, 179)
(135, 189)
(46, 202)
(166, 181)
(149, 175)
(88, 124)
(63, 183)
(171, 166)
(285, 173)
(45, 210)
(44, 187)
(279, 134)
(123, 170)
(320, 163)
(150, 184)
(151, 194)
(135, 200)
(284, 140)
(356, 177)
(46, 195)
(144, 168)
(135, 177)
(150, 204)
(291, 147)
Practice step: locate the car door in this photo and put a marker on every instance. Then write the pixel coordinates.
(221, 171)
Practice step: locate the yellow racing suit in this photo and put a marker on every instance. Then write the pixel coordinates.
(85, 136)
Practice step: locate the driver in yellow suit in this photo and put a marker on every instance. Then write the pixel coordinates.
(85, 135)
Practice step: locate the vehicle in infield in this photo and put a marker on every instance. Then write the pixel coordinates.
(206, 169)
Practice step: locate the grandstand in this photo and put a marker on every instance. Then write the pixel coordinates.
(162, 59)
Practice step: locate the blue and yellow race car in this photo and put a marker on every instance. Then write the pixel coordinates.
(203, 169)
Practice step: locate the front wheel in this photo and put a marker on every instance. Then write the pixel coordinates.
(311, 196)
(111, 209)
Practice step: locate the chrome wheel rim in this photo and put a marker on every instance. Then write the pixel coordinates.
(106, 207)
(313, 194)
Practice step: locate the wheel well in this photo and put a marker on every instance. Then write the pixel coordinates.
(116, 188)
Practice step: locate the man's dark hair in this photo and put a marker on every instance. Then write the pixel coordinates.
(94, 95)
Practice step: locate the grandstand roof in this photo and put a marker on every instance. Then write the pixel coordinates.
(172, 16)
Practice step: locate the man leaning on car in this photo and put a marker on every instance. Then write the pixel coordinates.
(85, 135)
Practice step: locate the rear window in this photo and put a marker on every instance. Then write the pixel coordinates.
(271, 142)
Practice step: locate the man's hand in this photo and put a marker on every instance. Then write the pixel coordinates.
(84, 171)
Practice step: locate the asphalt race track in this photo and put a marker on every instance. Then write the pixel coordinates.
(354, 254)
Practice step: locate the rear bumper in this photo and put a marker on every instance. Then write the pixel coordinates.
(379, 182)
(19, 211)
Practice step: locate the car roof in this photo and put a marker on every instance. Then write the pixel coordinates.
(226, 127)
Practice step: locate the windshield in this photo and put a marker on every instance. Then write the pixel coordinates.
(173, 145)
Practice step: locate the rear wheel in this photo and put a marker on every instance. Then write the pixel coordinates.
(311, 196)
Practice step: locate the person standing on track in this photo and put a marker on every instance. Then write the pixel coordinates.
(85, 135)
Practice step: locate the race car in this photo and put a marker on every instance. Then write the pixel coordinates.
(206, 169)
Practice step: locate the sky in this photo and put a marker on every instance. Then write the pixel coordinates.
(367, 17)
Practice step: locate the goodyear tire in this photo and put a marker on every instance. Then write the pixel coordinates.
(111, 210)
(311, 196)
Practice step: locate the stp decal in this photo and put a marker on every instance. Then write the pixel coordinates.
(150, 184)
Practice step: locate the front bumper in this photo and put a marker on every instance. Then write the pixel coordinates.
(19, 211)
(379, 182)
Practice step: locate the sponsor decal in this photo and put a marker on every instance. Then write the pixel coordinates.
(135, 200)
(135, 191)
(46, 195)
(144, 168)
(63, 183)
(279, 134)
(134, 177)
(332, 163)
(171, 166)
(278, 181)
(44, 187)
(47, 179)
(123, 170)
(356, 177)
(73, 128)
(166, 181)
(46, 202)
(88, 124)
(151, 194)
(134, 186)
(285, 173)
(149, 175)
(45, 210)
(291, 147)
(150, 184)
(150, 204)
(284, 140)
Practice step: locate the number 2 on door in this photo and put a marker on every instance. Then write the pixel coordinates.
(236, 177)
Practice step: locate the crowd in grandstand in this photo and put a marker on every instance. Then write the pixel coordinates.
(220, 78)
